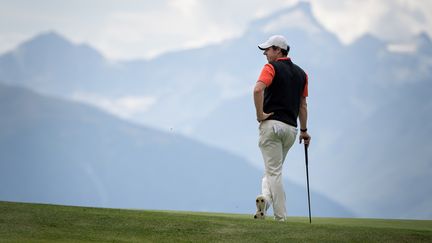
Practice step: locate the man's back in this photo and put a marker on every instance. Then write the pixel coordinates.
(282, 97)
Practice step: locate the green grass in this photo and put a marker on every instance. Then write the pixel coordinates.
(22, 222)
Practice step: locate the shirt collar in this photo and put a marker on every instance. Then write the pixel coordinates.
(283, 59)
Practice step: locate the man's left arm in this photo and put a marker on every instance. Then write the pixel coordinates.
(303, 114)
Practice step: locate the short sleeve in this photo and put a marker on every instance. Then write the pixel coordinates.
(305, 90)
(267, 74)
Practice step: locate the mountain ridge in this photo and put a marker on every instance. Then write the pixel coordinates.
(57, 151)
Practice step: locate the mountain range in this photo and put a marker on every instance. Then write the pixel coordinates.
(58, 151)
(369, 104)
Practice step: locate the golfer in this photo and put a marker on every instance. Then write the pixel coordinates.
(280, 98)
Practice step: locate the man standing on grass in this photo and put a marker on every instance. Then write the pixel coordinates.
(280, 98)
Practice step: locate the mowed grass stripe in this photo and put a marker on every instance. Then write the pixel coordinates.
(22, 222)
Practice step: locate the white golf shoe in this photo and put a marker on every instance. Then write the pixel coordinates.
(261, 205)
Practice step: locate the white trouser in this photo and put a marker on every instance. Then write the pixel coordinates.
(275, 139)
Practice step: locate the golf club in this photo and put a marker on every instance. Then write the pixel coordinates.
(307, 179)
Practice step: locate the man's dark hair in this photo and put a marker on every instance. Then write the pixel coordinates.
(284, 52)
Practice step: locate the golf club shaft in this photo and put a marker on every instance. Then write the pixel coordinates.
(307, 181)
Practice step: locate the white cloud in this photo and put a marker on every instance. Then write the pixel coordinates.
(348, 19)
(295, 20)
(387, 19)
(143, 29)
(141, 33)
(400, 21)
(185, 7)
(125, 107)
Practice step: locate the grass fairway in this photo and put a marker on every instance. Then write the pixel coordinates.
(21, 222)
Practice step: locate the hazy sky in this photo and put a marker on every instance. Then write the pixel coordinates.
(126, 29)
